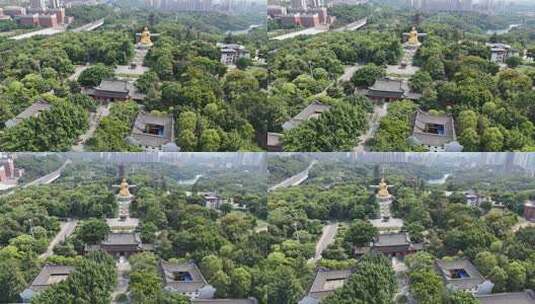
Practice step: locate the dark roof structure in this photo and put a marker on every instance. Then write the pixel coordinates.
(49, 275)
(390, 243)
(390, 88)
(153, 130)
(433, 130)
(225, 301)
(459, 274)
(313, 110)
(327, 281)
(116, 89)
(183, 278)
(32, 111)
(525, 297)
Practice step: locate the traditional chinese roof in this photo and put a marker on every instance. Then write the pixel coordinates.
(392, 239)
(195, 280)
(423, 119)
(313, 110)
(225, 301)
(525, 297)
(49, 275)
(32, 111)
(121, 238)
(327, 281)
(144, 119)
(469, 276)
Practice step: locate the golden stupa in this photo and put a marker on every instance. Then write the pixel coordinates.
(383, 190)
(413, 37)
(124, 189)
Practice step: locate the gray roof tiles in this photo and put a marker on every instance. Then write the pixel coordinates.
(526, 297)
(473, 279)
(321, 286)
(311, 111)
(32, 111)
(422, 119)
(153, 140)
(45, 278)
(169, 269)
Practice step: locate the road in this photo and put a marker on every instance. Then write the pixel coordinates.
(306, 32)
(94, 120)
(59, 29)
(327, 237)
(353, 26)
(379, 111)
(296, 179)
(49, 178)
(67, 228)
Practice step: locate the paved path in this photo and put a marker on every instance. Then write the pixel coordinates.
(123, 267)
(327, 237)
(94, 120)
(348, 72)
(306, 32)
(77, 71)
(67, 228)
(295, 179)
(379, 111)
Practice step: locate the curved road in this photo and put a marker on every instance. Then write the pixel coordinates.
(295, 179)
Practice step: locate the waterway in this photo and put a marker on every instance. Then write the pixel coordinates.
(503, 31)
(439, 181)
(190, 181)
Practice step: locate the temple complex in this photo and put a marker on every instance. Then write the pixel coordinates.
(385, 223)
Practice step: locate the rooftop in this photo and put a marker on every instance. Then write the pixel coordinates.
(184, 277)
(388, 85)
(392, 239)
(225, 301)
(50, 274)
(122, 238)
(460, 273)
(32, 111)
(526, 297)
(113, 85)
(313, 110)
(327, 281)
(153, 130)
(433, 130)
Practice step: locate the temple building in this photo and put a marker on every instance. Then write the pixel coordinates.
(153, 132)
(48, 276)
(231, 53)
(212, 200)
(325, 283)
(33, 110)
(529, 211)
(523, 297)
(390, 244)
(121, 244)
(387, 90)
(186, 279)
(500, 52)
(434, 132)
(462, 275)
(312, 111)
(115, 90)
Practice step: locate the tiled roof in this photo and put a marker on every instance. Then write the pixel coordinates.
(419, 130)
(32, 111)
(526, 297)
(392, 239)
(473, 279)
(143, 119)
(45, 276)
(312, 110)
(197, 279)
(320, 287)
(122, 239)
